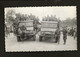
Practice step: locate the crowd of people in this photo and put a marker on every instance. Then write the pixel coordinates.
(66, 32)
(72, 32)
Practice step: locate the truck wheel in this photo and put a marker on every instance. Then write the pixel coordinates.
(18, 38)
(34, 38)
(40, 38)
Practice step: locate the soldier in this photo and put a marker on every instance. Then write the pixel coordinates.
(57, 35)
(64, 34)
(23, 28)
(5, 30)
(75, 33)
(68, 30)
(72, 32)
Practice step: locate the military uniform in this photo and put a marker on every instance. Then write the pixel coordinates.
(72, 32)
(23, 28)
(64, 35)
(75, 33)
(57, 36)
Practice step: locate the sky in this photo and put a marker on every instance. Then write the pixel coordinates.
(61, 12)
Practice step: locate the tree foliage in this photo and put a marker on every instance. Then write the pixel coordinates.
(13, 18)
(69, 22)
(10, 16)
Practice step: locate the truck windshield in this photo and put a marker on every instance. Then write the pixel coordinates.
(28, 24)
(48, 25)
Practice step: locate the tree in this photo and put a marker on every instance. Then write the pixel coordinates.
(21, 17)
(74, 20)
(69, 22)
(10, 16)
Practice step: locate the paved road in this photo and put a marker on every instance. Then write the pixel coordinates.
(11, 44)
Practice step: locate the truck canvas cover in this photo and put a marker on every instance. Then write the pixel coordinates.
(27, 24)
(49, 25)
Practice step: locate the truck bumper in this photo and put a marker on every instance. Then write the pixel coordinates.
(50, 36)
(26, 35)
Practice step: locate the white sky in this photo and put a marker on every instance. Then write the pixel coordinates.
(60, 11)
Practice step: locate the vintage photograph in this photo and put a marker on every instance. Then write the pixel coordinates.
(48, 28)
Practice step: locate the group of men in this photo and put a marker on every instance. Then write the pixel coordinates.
(65, 32)
(58, 33)
(72, 32)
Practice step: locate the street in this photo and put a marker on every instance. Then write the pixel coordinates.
(11, 44)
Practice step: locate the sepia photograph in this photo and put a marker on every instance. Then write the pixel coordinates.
(48, 28)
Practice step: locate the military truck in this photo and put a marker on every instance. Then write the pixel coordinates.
(25, 30)
(48, 29)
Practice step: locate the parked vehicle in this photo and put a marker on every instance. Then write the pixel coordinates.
(48, 29)
(26, 30)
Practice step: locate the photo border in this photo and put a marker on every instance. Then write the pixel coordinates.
(4, 4)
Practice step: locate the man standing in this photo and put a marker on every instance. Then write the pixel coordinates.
(57, 35)
(5, 30)
(64, 34)
(23, 28)
(75, 33)
(72, 32)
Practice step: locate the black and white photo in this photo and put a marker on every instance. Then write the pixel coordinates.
(48, 28)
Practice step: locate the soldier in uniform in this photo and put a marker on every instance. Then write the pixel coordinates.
(5, 30)
(23, 28)
(75, 33)
(64, 34)
(68, 30)
(57, 35)
(72, 32)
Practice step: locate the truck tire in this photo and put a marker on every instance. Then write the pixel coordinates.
(40, 38)
(18, 38)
